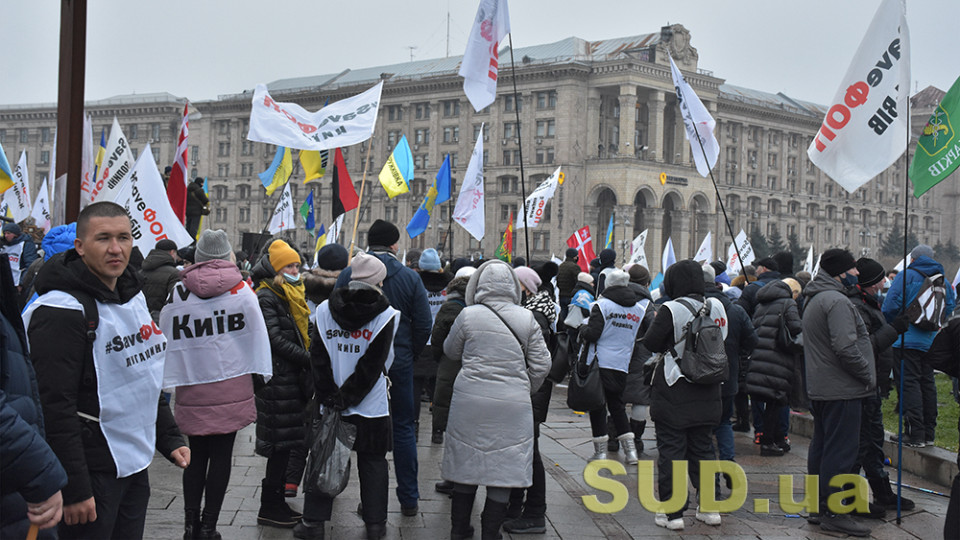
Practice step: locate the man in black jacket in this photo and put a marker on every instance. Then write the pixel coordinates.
(105, 444)
(160, 275)
(567, 279)
(197, 202)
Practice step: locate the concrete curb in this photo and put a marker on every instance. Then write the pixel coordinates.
(931, 463)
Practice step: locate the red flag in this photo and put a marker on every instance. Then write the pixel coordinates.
(177, 185)
(583, 243)
(344, 195)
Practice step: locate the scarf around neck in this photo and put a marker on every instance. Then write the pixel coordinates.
(295, 296)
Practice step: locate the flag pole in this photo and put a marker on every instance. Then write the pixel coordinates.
(356, 215)
(523, 187)
(903, 300)
(726, 220)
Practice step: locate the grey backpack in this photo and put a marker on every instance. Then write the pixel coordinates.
(704, 360)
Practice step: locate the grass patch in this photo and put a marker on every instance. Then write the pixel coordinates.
(947, 413)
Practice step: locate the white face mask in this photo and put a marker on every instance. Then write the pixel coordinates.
(291, 278)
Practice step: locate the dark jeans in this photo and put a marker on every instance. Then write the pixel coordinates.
(870, 456)
(833, 450)
(692, 445)
(535, 505)
(771, 412)
(758, 408)
(613, 384)
(374, 487)
(402, 409)
(193, 223)
(211, 457)
(741, 403)
(724, 431)
(121, 508)
(919, 395)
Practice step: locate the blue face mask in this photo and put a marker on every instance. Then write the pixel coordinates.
(849, 280)
(291, 279)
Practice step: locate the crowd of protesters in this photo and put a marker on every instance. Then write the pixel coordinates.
(370, 336)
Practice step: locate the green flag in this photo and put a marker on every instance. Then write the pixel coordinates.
(938, 150)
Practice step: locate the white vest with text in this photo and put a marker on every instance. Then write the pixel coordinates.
(620, 327)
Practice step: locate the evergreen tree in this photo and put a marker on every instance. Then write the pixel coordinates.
(892, 244)
(759, 243)
(799, 253)
(775, 242)
(946, 252)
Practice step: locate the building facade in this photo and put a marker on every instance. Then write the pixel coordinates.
(605, 111)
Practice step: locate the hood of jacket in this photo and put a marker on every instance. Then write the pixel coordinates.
(621, 294)
(210, 278)
(457, 288)
(356, 304)
(319, 283)
(157, 258)
(263, 270)
(641, 292)
(59, 239)
(494, 280)
(926, 265)
(711, 290)
(435, 281)
(774, 290)
(388, 259)
(822, 282)
(683, 278)
(66, 271)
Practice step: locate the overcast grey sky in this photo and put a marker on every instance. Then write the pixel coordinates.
(200, 49)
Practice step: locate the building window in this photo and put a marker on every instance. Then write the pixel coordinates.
(24, 135)
(422, 136)
(45, 134)
(541, 241)
(421, 111)
(243, 191)
(390, 213)
(771, 182)
(221, 214)
(156, 154)
(3, 136)
(224, 149)
(454, 161)
(194, 154)
(546, 128)
(547, 100)
(246, 148)
(451, 108)
(509, 101)
(220, 192)
(223, 169)
(394, 113)
(246, 169)
(244, 215)
(476, 132)
(486, 157)
(451, 134)
(392, 138)
(155, 132)
(267, 212)
(507, 210)
(509, 130)
(771, 160)
(133, 132)
(134, 152)
(511, 157)
(509, 184)
(752, 180)
(44, 157)
(193, 172)
(223, 127)
(544, 156)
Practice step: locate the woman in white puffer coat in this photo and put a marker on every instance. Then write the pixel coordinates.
(489, 437)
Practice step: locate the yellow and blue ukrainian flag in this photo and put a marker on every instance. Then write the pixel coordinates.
(438, 193)
(398, 170)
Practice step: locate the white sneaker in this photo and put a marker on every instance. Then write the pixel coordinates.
(710, 518)
(672, 524)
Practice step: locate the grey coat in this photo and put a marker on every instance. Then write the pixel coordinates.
(489, 437)
(836, 344)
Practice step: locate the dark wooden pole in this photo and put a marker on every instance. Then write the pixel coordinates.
(73, 51)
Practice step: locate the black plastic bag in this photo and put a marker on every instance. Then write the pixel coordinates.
(328, 465)
(585, 392)
(560, 358)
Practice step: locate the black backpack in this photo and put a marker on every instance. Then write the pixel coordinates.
(928, 310)
(704, 359)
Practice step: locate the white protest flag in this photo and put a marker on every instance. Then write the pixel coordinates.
(335, 229)
(87, 163)
(706, 249)
(865, 129)
(669, 257)
(145, 198)
(639, 254)
(41, 208)
(18, 196)
(698, 121)
(469, 211)
(479, 67)
(808, 264)
(746, 251)
(900, 265)
(283, 214)
(536, 203)
(956, 279)
(816, 267)
(117, 163)
(339, 124)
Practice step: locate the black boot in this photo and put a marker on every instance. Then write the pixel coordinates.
(191, 523)
(274, 511)
(493, 515)
(637, 428)
(461, 507)
(208, 526)
(884, 496)
(613, 444)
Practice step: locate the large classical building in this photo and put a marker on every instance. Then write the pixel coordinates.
(605, 111)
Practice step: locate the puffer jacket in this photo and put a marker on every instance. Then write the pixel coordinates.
(318, 284)
(567, 277)
(447, 368)
(281, 403)
(882, 335)
(489, 437)
(544, 312)
(740, 342)
(893, 303)
(748, 300)
(30, 470)
(223, 406)
(836, 346)
(635, 391)
(160, 275)
(770, 375)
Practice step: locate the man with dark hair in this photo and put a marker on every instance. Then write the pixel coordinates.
(96, 382)
(404, 289)
(767, 271)
(840, 374)
(197, 202)
(567, 279)
(160, 275)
